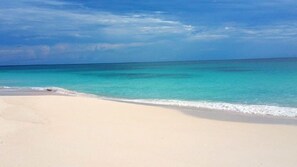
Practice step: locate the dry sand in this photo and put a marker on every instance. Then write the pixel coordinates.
(61, 131)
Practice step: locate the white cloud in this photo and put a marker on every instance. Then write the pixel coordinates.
(207, 37)
(92, 47)
(281, 31)
(42, 21)
(95, 31)
(41, 51)
(25, 52)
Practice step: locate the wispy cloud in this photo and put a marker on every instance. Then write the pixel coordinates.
(37, 20)
(61, 48)
(76, 31)
(39, 29)
(31, 20)
(285, 31)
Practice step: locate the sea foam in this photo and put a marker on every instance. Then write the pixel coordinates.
(232, 107)
(240, 108)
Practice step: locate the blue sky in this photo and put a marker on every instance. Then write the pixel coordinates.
(81, 31)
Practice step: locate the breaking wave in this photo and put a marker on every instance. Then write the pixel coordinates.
(240, 108)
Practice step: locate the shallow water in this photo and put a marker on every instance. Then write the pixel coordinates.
(266, 86)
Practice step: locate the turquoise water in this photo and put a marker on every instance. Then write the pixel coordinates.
(250, 83)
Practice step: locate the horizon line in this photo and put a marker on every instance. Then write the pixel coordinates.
(168, 61)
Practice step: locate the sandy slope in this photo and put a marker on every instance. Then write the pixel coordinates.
(60, 131)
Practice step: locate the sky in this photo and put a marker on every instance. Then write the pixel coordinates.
(105, 31)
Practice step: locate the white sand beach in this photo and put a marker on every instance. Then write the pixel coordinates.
(64, 131)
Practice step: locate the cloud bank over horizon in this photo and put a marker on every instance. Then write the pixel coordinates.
(54, 31)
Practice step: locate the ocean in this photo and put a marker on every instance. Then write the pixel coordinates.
(260, 86)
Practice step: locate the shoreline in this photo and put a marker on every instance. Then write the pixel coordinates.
(55, 130)
(215, 114)
(222, 115)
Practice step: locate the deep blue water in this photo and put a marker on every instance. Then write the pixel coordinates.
(271, 82)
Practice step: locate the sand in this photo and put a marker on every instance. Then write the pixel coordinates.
(63, 131)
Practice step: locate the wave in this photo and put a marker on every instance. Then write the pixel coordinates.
(240, 108)
(53, 90)
(57, 90)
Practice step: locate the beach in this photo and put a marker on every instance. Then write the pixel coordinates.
(115, 83)
(80, 131)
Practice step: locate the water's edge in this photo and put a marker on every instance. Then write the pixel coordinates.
(191, 107)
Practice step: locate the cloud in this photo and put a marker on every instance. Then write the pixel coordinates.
(42, 51)
(21, 54)
(32, 20)
(280, 31)
(27, 17)
(92, 47)
(207, 37)
(34, 29)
